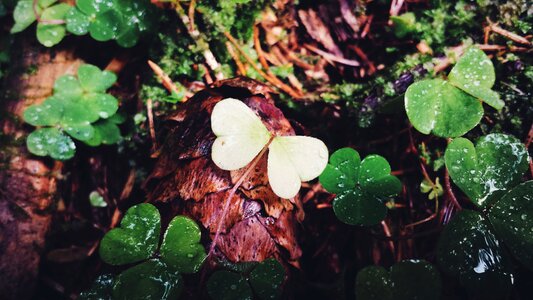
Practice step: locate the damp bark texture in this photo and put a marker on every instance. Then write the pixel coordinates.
(258, 224)
(28, 183)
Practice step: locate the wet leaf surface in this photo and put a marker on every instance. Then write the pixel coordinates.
(52, 142)
(485, 171)
(181, 248)
(512, 218)
(469, 250)
(360, 186)
(136, 239)
(100, 289)
(149, 280)
(226, 285)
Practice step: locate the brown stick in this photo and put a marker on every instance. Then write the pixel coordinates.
(510, 35)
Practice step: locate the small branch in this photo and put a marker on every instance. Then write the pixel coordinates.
(235, 56)
(151, 125)
(273, 80)
(167, 82)
(509, 35)
(332, 57)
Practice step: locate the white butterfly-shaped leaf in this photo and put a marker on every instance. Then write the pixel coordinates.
(241, 136)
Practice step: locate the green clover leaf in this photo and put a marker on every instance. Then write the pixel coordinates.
(149, 280)
(181, 248)
(407, 280)
(264, 280)
(77, 22)
(49, 113)
(360, 186)
(512, 218)
(469, 250)
(136, 239)
(52, 142)
(474, 74)
(93, 7)
(92, 79)
(452, 108)
(51, 34)
(485, 171)
(68, 87)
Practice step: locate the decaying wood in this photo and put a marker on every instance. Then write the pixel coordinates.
(258, 224)
(27, 183)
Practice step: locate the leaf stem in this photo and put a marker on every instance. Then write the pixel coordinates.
(232, 193)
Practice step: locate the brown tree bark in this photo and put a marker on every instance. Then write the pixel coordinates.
(28, 184)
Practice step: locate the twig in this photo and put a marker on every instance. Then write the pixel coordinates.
(151, 124)
(165, 80)
(333, 57)
(273, 80)
(259, 50)
(235, 56)
(366, 60)
(510, 35)
(38, 17)
(395, 7)
(232, 192)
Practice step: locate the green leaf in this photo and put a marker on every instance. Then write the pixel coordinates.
(357, 208)
(106, 26)
(407, 280)
(92, 79)
(82, 132)
(181, 248)
(52, 142)
(474, 74)
(96, 199)
(341, 172)
(100, 289)
(136, 239)
(103, 105)
(266, 279)
(469, 250)
(24, 15)
(373, 283)
(512, 218)
(51, 34)
(149, 280)
(128, 37)
(436, 106)
(46, 114)
(106, 132)
(68, 87)
(359, 185)
(93, 7)
(496, 164)
(77, 22)
(77, 112)
(226, 285)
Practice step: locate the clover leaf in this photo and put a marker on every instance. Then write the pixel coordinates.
(136, 239)
(485, 171)
(469, 250)
(149, 280)
(181, 246)
(512, 218)
(50, 29)
(472, 246)
(407, 280)
(79, 107)
(51, 34)
(263, 280)
(361, 186)
(452, 108)
(52, 142)
(121, 20)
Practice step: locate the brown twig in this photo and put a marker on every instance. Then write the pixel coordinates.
(273, 80)
(332, 57)
(151, 124)
(167, 82)
(388, 234)
(509, 35)
(240, 67)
